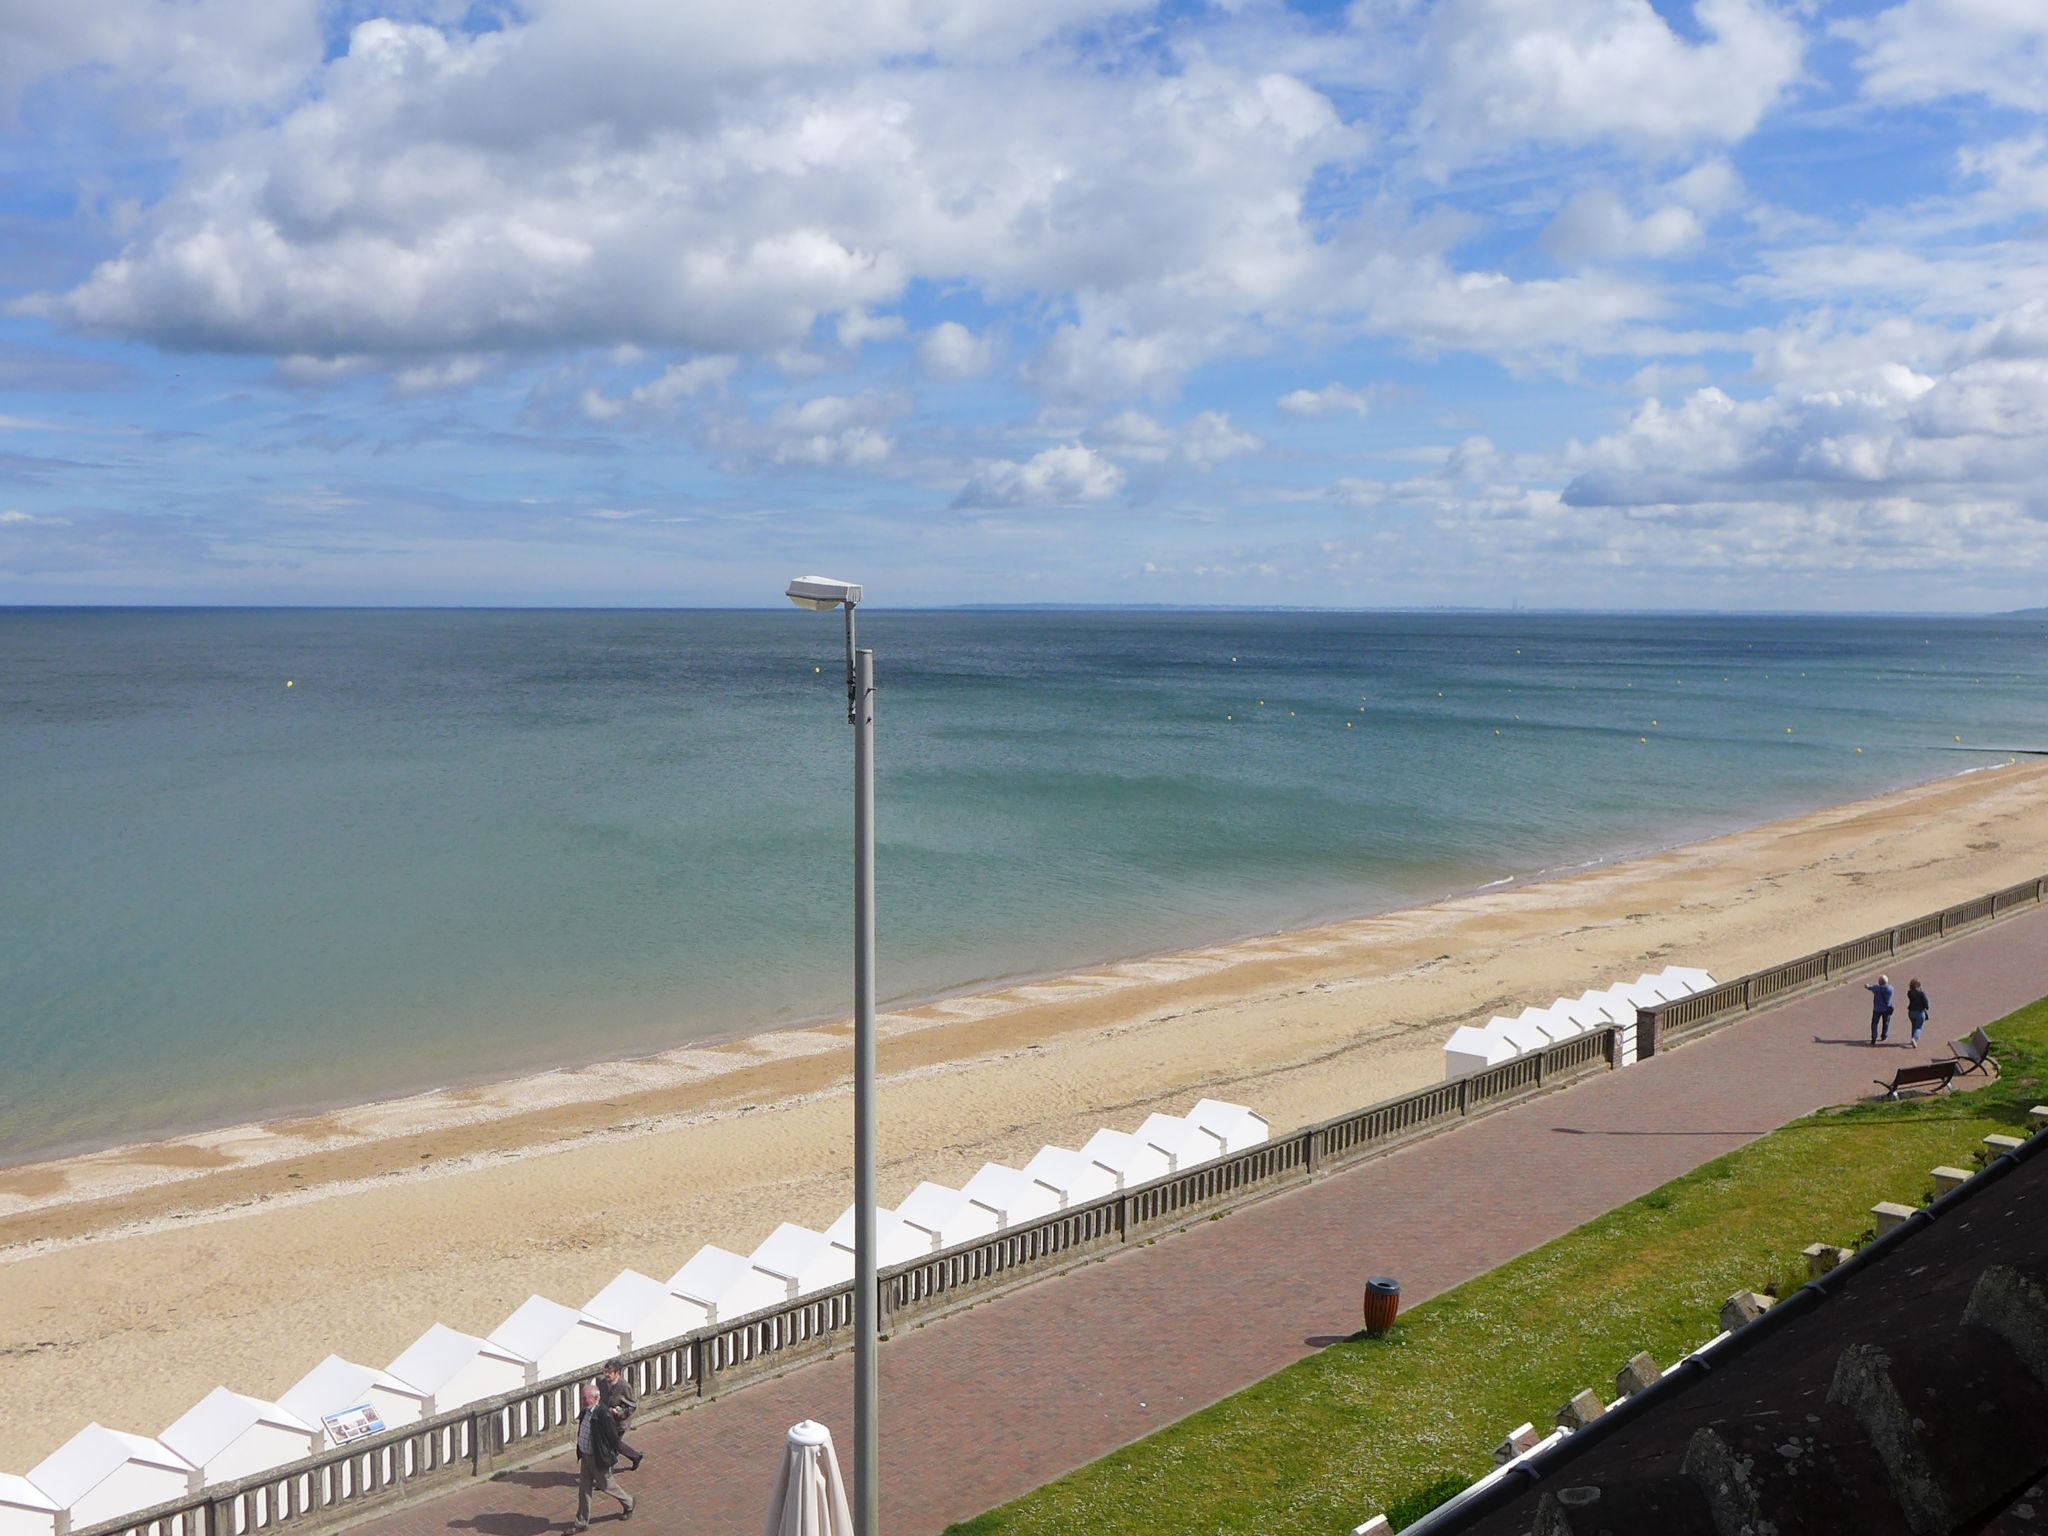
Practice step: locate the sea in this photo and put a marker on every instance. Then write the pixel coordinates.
(261, 861)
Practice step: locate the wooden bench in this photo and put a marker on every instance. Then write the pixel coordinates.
(1935, 1076)
(1973, 1052)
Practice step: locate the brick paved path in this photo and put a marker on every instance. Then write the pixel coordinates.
(990, 1402)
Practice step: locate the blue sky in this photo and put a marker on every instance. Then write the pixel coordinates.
(1575, 303)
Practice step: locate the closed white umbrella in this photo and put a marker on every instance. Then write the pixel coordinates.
(810, 1500)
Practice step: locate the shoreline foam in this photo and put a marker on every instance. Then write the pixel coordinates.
(151, 1274)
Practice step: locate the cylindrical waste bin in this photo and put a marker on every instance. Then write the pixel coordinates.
(1382, 1301)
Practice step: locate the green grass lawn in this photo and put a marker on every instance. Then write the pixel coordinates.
(1400, 1423)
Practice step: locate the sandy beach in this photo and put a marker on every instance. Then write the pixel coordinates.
(138, 1278)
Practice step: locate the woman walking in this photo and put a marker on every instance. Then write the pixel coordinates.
(1917, 1008)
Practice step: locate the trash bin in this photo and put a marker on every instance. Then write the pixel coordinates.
(1382, 1301)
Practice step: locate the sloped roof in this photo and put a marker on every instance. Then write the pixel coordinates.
(1183, 1142)
(630, 1297)
(1001, 1186)
(431, 1360)
(335, 1384)
(19, 1491)
(711, 1272)
(896, 1241)
(92, 1456)
(212, 1424)
(789, 1250)
(1226, 1118)
(536, 1326)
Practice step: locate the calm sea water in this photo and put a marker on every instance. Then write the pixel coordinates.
(467, 844)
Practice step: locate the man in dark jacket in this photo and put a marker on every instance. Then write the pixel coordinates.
(597, 1452)
(615, 1391)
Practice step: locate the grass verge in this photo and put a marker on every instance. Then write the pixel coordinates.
(1401, 1423)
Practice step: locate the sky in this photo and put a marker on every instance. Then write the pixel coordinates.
(1733, 304)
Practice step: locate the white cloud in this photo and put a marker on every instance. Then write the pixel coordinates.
(1063, 476)
(1597, 226)
(1204, 440)
(663, 395)
(823, 432)
(1502, 73)
(1923, 50)
(857, 326)
(1327, 400)
(207, 53)
(951, 351)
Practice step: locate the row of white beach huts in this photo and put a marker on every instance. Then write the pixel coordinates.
(104, 1474)
(1473, 1048)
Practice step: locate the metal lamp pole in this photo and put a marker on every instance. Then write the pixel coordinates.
(818, 592)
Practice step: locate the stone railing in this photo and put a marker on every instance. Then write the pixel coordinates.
(1671, 1022)
(339, 1486)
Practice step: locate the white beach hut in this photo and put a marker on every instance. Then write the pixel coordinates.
(25, 1510)
(1015, 1197)
(1078, 1179)
(643, 1310)
(104, 1474)
(336, 1385)
(452, 1369)
(949, 1215)
(1522, 1035)
(1691, 977)
(1129, 1159)
(896, 1241)
(725, 1284)
(1613, 1007)
(1652, 989)
(1581, 1013)
(1556, 1027)
(227, 1435)
(1233, 1125)
(1185, 1145)
(802, 1261)
(1471, 1049)
(557, 1339)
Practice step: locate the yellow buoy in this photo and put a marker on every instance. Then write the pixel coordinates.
(1653, 722)
(1349, 723)
(817, 669)
(1959, 738)
(1644, 740)
(1859, 751)
(287, 682)
(1262, 703)
(1788, 730)
(1290, 714)
(1496, 733)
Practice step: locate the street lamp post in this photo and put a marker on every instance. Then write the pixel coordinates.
(820, 593)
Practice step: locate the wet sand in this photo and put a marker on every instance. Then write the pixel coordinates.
(138, 1278)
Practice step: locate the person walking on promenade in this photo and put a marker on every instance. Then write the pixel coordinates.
(616, 1392)
(1917, 1008)
(1880, 992)
(597, 1452)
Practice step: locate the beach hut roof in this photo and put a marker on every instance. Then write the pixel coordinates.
(330, 1387)
(710, 1273)
(213, 1423)
(931, 1205)
(23, 1494)
(630, 1297)
(896, 1241)
(536, 1326)
(1058, 1166)
(1177, 1138)
(431, 1361)
(789, 1249)
(1001, 1186)
(95, 1454)
(1222, 1116)
(1115, 1149)
(1467, 1040)
(1690, 976)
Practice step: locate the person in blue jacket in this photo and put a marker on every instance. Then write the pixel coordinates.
(1880, 992)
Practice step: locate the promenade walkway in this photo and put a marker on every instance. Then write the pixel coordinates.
(990, 1402)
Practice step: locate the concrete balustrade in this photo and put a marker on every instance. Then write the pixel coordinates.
(1502, 1039)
